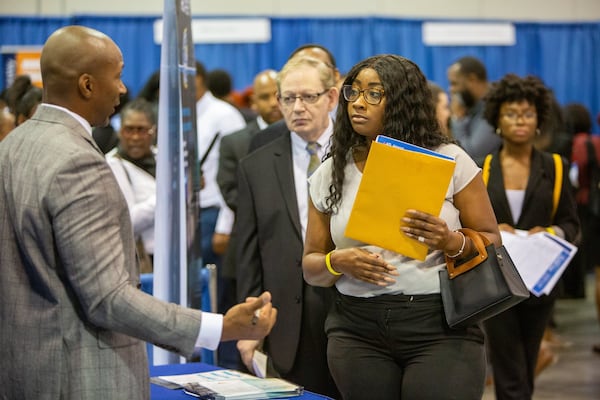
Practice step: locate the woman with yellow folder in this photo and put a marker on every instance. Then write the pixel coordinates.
(387, 334)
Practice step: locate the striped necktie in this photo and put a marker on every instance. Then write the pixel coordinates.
(315, 161)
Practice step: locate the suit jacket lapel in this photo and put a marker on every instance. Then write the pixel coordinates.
(536, 173)
(497, 192)
(284, 170)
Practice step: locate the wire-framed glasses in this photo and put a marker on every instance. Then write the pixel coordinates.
(307, 98)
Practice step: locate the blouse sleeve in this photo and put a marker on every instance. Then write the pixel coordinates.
(319, 183)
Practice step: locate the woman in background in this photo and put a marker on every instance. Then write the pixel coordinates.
(521, 183)
(133, 162)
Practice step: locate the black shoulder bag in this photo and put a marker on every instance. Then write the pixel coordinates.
(482, 286)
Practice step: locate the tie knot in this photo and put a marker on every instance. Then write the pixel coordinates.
(313, 148)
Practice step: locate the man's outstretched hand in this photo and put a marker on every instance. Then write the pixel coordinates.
(253, 319)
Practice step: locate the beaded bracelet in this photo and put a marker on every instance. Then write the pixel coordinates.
(462, 247)
(328, 264)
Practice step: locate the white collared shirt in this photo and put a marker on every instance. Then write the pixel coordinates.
(86, 125)
(214, 116)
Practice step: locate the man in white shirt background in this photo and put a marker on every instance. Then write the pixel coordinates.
(215, 118)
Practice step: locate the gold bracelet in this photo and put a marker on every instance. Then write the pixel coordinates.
(328, 264)
(462, 247)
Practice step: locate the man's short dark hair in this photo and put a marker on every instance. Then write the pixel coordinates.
(471, 65)
(200, 70)
(219, 83)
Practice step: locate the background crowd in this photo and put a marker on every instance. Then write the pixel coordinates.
(259, 148)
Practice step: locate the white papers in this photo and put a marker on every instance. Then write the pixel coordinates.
(228, 384)
(540, 258)
(259, 363)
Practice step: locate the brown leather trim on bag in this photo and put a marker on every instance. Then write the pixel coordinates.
(480, 242)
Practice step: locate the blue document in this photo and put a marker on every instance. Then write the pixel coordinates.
(411, 147)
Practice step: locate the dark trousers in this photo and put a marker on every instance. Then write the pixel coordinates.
(400, 347)
(310, 364)
(513, 341)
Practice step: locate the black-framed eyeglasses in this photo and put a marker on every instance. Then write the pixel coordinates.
(306, 98)
(514, 116)
(372, 96)
(130, 130)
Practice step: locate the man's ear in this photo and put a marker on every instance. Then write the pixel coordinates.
(86, 85)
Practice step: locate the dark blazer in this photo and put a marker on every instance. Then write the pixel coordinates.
(72, 314)
(267, 135)
(269, 253)
(233, 148)
(537, 205)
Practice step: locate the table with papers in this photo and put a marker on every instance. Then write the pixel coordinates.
(158, 392)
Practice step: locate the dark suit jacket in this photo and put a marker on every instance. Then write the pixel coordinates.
(268, 134)
(72, 314)
(233, 148)
(269, 251)
(537, 207)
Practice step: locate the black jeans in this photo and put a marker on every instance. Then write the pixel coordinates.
(400, 347)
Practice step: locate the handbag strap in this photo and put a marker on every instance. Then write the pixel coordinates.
(481, 242)
(558, 172)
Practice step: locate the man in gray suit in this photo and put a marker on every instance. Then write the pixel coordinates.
(271, 225)
(72, 314)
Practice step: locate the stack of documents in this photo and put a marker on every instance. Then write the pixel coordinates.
(228, 384)
(398, 176)
(540, 258)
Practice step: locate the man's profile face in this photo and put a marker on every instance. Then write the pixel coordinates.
(108, 87)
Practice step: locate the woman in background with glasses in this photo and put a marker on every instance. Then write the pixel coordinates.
(520, 186)
(134, 164)
(387, 334)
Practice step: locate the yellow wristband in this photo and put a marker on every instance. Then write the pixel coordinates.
(328, 264)
(551, 230)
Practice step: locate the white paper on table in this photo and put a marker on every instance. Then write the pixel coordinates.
(259, 363)
(540, 258)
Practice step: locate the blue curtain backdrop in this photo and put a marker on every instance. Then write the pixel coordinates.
(565, 55)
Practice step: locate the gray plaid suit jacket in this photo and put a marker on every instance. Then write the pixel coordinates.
(71, 313)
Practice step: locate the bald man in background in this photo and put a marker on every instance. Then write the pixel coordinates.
(233, 148)
(235, 145)
(73, 318)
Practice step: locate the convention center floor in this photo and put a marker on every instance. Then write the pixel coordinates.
(576, 373)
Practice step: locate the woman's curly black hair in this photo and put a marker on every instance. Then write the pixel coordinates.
(409, 114)
(512, 88)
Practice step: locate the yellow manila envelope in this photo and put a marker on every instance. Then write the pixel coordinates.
(398, 176)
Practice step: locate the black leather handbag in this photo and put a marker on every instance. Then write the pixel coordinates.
(482, 286)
